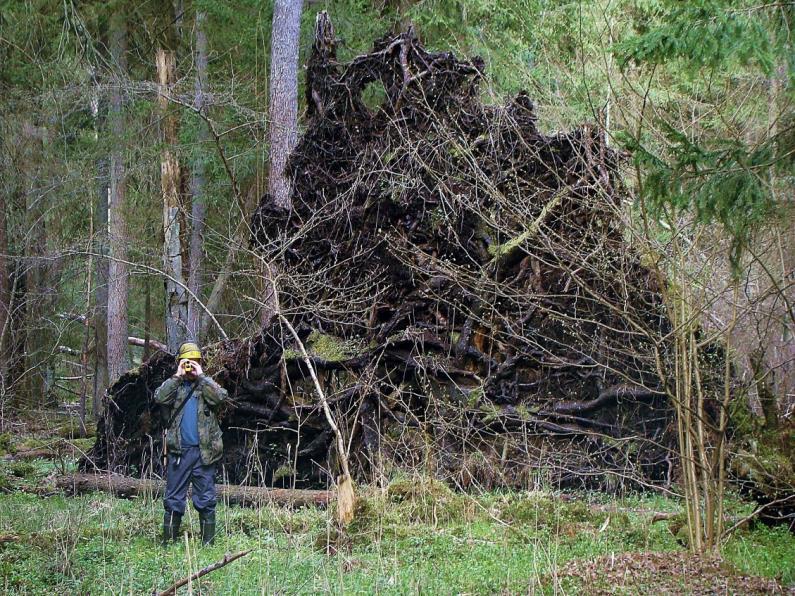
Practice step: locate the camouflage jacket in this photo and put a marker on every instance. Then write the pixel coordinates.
(210, 395)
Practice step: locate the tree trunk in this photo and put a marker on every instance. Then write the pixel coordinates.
(5, 299)
(142, 342)
(118, 274)
(197, 186)
(101, 288)
(764, 391)
(283, 112)
(36, 287)
(87, 333)
(176, 297)
(283, 108)
(126, 487)
(6, 183)
(99, 313)
(147, 323)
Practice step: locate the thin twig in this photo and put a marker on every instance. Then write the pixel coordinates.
(753, 514)
(202, 572)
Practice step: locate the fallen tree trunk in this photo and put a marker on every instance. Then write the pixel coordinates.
(133, 341)
(141, 343)
(39, 453)
(127, 487)
(58, 449)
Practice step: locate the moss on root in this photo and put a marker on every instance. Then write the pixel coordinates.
(329, 347)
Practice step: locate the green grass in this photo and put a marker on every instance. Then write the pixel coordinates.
(769, 552)
(407, 539)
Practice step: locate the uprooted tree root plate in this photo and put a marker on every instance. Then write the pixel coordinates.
(464, 285)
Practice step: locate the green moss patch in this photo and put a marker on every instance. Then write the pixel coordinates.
(330, 347)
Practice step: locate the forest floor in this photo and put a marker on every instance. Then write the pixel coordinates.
(411, 536)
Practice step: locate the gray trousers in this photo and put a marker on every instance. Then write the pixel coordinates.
(188, 468)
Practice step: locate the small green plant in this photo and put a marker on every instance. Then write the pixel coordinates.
(22, 469)
(416, 535)
(6, 443)
(282, 472)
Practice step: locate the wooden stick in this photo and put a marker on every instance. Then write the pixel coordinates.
(321, 395)
(754, 513)
(345, 496)
(202, 572)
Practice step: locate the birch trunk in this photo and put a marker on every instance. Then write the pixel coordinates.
(176, 297)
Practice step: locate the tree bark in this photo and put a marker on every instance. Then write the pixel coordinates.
(283, 112)
(101, 288)
(762, 380)
(283, 108)
(147, 323)
(197, 185)
(142, 342)
(36, 285)
(127, 487)
(176, 297)
(87, 332)
(118, 274)
(5, 298)
(100, 247)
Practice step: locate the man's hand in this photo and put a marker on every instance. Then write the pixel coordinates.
(195, 369)
(181, 368)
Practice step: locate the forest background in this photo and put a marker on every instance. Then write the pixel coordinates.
(698, 93)
(137, 142)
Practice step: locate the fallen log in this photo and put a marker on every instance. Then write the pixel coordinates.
(153, 343)
(39, 453)
(127, 487)
(57, 450)
(133, 341)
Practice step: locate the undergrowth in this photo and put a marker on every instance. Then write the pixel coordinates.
(415, 536)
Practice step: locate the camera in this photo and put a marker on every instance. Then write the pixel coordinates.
(188, 366)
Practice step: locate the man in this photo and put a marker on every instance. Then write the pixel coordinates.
(193, 439)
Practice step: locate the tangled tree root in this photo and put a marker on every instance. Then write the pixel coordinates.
(465, 287)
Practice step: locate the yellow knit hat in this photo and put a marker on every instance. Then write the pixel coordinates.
(189, 350)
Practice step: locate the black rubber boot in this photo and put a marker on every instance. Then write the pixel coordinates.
(207, 523)
(171, 523)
